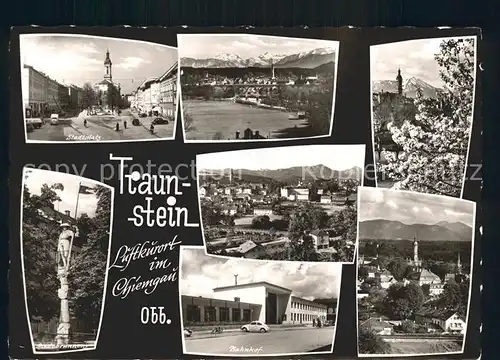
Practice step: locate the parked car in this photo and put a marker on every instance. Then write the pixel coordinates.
(35, 122)
(54, 119)
(187, 332)
(160, 120)
(143, 114)
(136, 122)
(255, 326)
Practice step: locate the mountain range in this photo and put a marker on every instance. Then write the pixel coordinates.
(396, 230)
(292, 174)
(410, 87)
(305, 60)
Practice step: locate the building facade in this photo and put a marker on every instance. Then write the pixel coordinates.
(40, 92)
(259, 301)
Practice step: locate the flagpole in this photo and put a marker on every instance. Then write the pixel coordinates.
(77, 199)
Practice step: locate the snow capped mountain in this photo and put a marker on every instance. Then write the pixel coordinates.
(410, 87)
(413, 85)
(306, 59)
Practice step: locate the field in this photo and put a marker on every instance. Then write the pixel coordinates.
(226, 117)
(425, 347)
(331, 208)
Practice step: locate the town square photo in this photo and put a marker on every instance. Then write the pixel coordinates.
(414, 272)
(423, 94)
(241, 307)
(65, 243)
(82, 88)
(294, 203)
(244, 87)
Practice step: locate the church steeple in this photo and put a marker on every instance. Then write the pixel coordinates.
(399, 79)
(459, 264)
(107, 67)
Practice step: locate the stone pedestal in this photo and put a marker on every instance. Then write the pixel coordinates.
(62, 337)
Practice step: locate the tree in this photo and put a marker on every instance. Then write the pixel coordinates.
(408, 327)
(113, 97)
(261, 222)
(403, 301)
(451, 297)
(371, 343)
(187, 120)
(89, 96)
(39, 241)
(398, 268)
(362, 272)
(88, 268)
(436, 142)
(440, 269)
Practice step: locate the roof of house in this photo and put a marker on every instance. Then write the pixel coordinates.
(252, 284)
(247, 246)
(377, 324)
(441, 314)
(319, 232)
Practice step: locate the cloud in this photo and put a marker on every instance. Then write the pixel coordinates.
(131, 63)
(412, 208)
(201, 273)
(198, 46)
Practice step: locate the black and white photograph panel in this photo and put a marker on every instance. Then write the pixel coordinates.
(240, 307)
(422, 113)
(79, 88)
(414, 272)
(295, 203)
(243, 87)
(65, 244)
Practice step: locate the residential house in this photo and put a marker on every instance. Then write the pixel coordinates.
(424, 277)
(229, 210)
(320, 238)
(249, 250)
(263, 210)
(448, 320)
(379, 326)
(325, 199)
(436, 289)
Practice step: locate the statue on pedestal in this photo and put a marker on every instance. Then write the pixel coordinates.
(64, 246)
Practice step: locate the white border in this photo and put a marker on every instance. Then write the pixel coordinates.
(471, 275)
(30, 141)
(339, 288)
(104, 290)
(270, 149)
(334, 43)
(466, 165)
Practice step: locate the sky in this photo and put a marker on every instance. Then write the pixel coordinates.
(336, 157)
(414, 57)
(245, 45)
(71, 59)
(411, 208)
(201, 273)
(35, 178)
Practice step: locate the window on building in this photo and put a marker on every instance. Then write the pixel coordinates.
(210, 314)
(236, 314)
(246, 314)
(223, 314)
(193, 313)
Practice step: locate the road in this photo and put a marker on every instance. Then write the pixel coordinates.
(101, 128)
(275, 342)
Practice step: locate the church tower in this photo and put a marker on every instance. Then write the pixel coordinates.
(107, 67)
(272, 70)
(416, 262)
(230, 176)
(459, 265)
(399, 79)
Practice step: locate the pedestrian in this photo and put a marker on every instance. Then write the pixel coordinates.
(124, 124)
(85, 122)
(314, 322)
(152, 128)
(117, 128)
